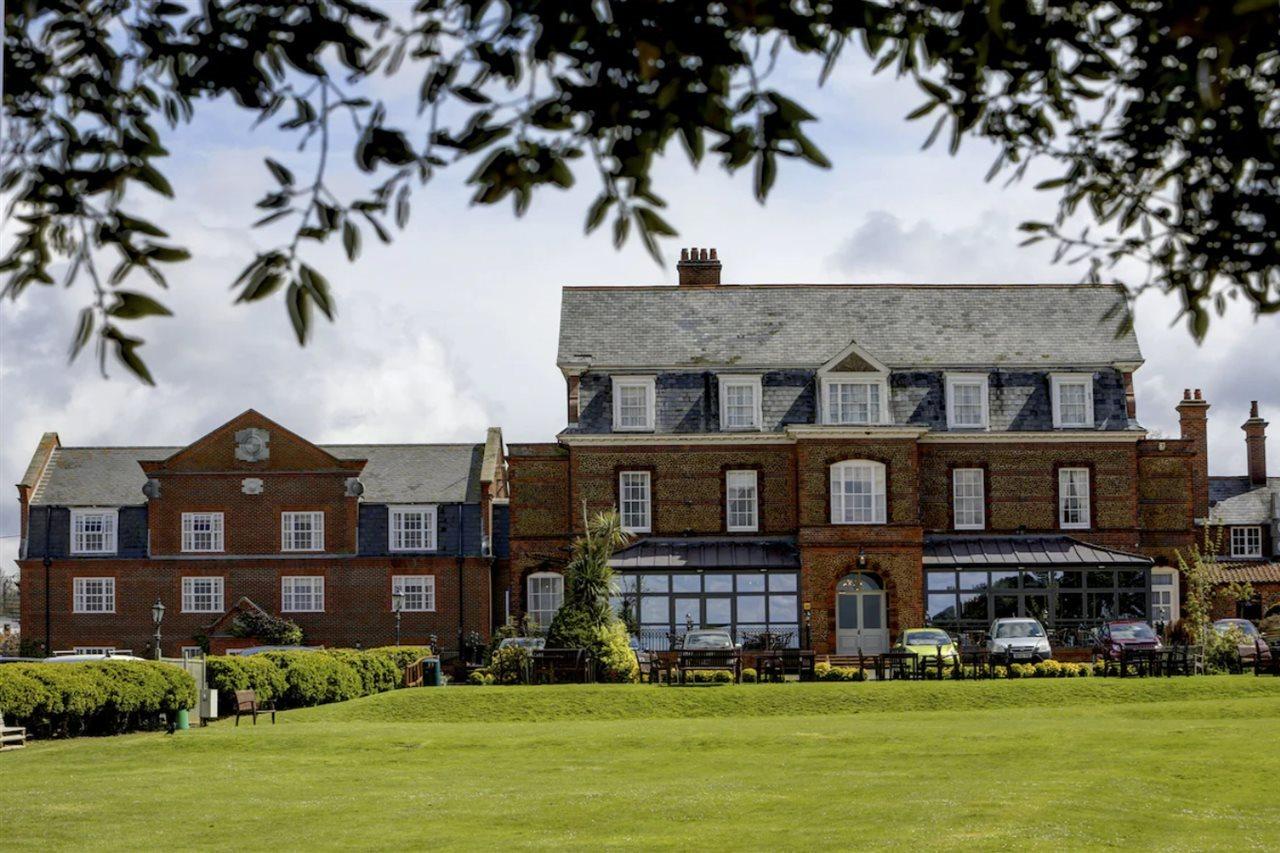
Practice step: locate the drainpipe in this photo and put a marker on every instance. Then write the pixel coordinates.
(47, 562)
(462, 544)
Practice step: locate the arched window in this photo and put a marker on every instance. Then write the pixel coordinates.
(857, 492)
(546, 594)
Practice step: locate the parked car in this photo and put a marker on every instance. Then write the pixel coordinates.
(1269, 626)
(531, 644)
(1252, 647)
(709, 639)
(91, 658)
(930, 642)
(1020, 639)
(257, 650)
(1116, 636)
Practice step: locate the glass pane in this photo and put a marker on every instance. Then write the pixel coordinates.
(689, 612)
(1035, 580)
(1006, 605)
(1037, 607)
(751, 583)
(974, 606)
(1131, 580)
(686, 583)
(872, 620)
(1071, 579)
(626, 583)
(973, 580)
(719, 611)
(942, 580)
(1071, 605)
(1162, 579)
(719, 583)
(942, 607)
(655, 610)
(790, 632)
(744, 632)
(1004, 580)
(1101, 580)
(782, 582)
(1100, 605)
(846, 612)
(750, 608)
(783, 608)
(653, 583)
(1133, 604)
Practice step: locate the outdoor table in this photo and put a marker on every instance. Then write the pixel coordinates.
(897, 665)
(976, 662)
(777, 664)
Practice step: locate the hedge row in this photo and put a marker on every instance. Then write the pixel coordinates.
(302, 679)
(110, 697)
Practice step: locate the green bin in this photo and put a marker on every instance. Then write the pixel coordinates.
(184, 721)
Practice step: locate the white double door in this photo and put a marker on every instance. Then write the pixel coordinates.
(861, 620)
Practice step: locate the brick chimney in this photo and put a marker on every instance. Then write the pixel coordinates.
(1193, 423)
(1255, 442)
(697, 269)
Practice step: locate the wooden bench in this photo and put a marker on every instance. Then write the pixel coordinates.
(12, 737)
(558, 666)
(695, 660)
(247, 703)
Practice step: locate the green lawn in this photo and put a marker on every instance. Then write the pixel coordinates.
(1063, 764)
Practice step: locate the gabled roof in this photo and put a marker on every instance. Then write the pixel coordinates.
(1232, 500)
(963, 551)
(901, 325)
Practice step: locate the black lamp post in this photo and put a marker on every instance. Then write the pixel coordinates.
(157, 616)
(397, 605)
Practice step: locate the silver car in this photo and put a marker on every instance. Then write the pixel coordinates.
(1022, 640)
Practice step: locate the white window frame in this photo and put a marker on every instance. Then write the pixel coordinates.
(427, 593)
(218, 594)
(1056, 383)
(649, 384)
(110, 530)
(956, 498)
(1086, 500)
(647, 525)
(288, 602)
(217, 539)
(1246, 548)
(191, 652)
(840, 473)
(1171, 588)
(981, 379)
(530, 594)
(395, 538)
(876, 380)
(747, 479)
(94, 650)
(79, 595)
(287, 533)
(757, 404)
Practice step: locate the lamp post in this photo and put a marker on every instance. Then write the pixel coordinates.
(157, 616)
(397, 605)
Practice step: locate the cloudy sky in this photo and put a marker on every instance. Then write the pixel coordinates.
(453, 327)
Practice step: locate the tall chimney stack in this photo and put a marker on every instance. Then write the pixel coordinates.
(698, 269)
(1193, 423)
(1255, 442)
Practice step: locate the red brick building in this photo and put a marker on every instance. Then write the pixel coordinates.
(253, 515)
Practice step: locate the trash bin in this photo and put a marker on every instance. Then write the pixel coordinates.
(183, 722)
(436, 676)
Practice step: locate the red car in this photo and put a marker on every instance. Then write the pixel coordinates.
(1124, 634)
(1252, 647)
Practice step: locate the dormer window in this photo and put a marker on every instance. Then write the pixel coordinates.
(1072, 396)
(967, 401)
(855, 399)
(93, 531)
(740, 403)
(633, 403)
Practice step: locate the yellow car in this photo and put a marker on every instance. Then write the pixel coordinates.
(930, 642)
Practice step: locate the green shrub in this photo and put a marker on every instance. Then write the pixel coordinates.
(749, 676)
(509, 665)
(615, 660)
(1084, 670)
(481, 677)
(265, 628)
(377, 672)
(1047, 669)
(401, 657)
(312, 678)
(229, 673)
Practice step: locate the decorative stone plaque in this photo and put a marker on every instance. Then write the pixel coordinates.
(251, 444)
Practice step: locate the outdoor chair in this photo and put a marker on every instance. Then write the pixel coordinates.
(559, 666)
(692, 660)
(247, 703)
(11, 737)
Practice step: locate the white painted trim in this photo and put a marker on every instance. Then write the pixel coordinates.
(285, 538)
(797, 432)
(285, 579)
(649, 383)
(76, 595)
(755, 492)
(853, 347)
(433, 527)
(1056, 381)
(757, 393)
(218, 607)
(217, 533)
(1098, 436)
(80, 512)
(429, 591)
(880, 380)
(879, 477)
(1088, 499)
(819, 431)
(648, 481)
(608, 440)
(982, 500)
(953, 379)
(1243, 529)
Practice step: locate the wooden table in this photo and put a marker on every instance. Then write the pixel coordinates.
(776, 665)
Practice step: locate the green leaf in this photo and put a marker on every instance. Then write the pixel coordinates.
(158, 182)
(351, 239)
(318, 287)
(84, 330)
(126, 352)
(298, 301)
(766, 173)
(596, 214)
(131, 306)
(283, 175)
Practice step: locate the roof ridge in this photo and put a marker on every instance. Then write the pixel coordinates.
(852, 284)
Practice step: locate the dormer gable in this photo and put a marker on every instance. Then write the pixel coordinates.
(853, 359)
(252, 442)
(853, 389)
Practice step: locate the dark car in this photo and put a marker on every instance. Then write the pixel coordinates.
(1133, 634)
(1251, 646)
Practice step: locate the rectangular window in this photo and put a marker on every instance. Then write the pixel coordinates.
(740, 402)
(741, 501)
(93, 531)
(966, 400)
(302, 594)
(634, 501)
(1072, 399)
(860, 402)
(202, 531)
(546, 594)
(302, 531)
(1246, 541)
(202, 595)
(1073, 498)
(858, 493)
(94, 595)
(413, 528)
(633, 403)
(419, 591)
(192, 652)
(968, 498)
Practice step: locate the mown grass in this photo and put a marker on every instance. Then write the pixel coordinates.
(1187, 764)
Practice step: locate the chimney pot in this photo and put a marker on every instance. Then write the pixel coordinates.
(698, 268)
(684, 254)
(1186, 393)
(1255, 443)
(1253, 408)
(713, 257)
(1197, 393)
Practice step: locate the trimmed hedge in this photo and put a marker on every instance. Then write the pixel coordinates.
(304, 679)
(98, 698)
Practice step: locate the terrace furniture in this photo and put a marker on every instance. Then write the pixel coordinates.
(975, 663)
(727, 660)
(11, 737)
(247, 703)
(858, 661)
(656, 667)
(560, 666)
(1144, 661)
(898, 665)
(777, 665)
(424, 672)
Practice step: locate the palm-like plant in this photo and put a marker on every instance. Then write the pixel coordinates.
(588, 582)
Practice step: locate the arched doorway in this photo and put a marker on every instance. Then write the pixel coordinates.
(861, 623)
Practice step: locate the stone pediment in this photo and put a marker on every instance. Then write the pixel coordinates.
(252, 442)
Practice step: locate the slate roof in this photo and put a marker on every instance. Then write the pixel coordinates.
(395, 473)
(713, 553)
(902, 325)
(1233, 501)
(962, 551)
